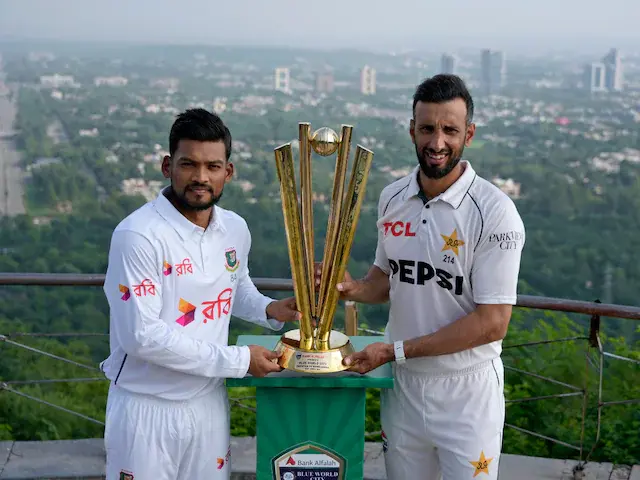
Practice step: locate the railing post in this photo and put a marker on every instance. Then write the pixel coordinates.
(594, 329)
(594, 340)
(350, 318)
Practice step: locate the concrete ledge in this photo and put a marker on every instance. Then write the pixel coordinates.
(84, 460)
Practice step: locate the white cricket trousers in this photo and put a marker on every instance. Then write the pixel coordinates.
(444, 426)
(148, 438)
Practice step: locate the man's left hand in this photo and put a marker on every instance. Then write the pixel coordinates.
(284, 310)
(370, 358)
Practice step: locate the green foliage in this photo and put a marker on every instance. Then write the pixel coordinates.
(573, 363)
(243, 417)
(23, 419)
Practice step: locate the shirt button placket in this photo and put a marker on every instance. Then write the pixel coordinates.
(426, 206)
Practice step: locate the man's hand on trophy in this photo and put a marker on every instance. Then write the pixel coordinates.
(348, 287)
(263, 361)
(284, 310)
(370, 358)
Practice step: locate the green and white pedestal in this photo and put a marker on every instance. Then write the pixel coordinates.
(311, 426)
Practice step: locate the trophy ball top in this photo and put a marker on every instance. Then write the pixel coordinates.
(325, 141)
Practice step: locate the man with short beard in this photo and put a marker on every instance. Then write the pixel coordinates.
(177, 272)
(447, 260)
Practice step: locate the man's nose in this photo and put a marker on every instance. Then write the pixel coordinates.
(200, 175)
(437, 142)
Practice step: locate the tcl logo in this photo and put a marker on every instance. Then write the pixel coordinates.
(399, 229)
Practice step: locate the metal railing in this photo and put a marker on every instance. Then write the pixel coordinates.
(285, 284)
(593, 341)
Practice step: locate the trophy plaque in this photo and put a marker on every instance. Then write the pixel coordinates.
(319, 349)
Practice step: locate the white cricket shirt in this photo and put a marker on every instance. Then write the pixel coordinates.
(172, 287)
(446, 256)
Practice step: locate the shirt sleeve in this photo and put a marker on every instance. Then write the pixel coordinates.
(249, 304)
(133, 288)
(381, 261)
(496, 263)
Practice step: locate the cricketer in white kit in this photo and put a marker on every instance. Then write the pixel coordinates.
(177, 272)
(447, 260)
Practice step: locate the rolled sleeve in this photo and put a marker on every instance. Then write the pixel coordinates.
(133, 288)
(496, 263)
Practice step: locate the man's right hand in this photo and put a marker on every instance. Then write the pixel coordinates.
(373, 288)
(262, 361)
(347, 287)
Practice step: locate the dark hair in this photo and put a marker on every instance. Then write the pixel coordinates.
(200, 125)
(442, 88)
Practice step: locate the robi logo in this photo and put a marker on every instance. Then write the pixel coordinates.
(420, 273)
(399, 229)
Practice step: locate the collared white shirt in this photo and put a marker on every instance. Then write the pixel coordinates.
(446, 256)
(172, 287)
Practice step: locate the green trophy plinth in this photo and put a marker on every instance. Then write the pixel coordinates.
(311, 426)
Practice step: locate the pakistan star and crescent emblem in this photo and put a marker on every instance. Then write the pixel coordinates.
(231, 261)
(481, 465)
(451, 242)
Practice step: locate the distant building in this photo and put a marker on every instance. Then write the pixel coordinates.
(93, 132)
(605, 75)
(448, 64)
(165, 83)
(110, 81)
(282, 80)
(324, 82)
(57, 81)
(508, 186)
(368, 80)
(43, 162)
(494, 71)
(220, 104)
(138, 186)
(613, 70)
(594, 77)
(41, 56)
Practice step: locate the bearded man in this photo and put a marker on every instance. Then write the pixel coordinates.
(447, 260)
(177, 272)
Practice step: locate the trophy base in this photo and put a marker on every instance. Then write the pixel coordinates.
(313, 361)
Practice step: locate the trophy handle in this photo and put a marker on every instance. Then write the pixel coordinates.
(291, 212)
(306, 200)
(335, 212)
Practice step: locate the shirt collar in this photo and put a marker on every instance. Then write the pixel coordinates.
(181, 224)
(454, 194)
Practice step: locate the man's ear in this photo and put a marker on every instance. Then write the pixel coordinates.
(166, 166)
(471, 131)
(412, 130)
(230, 171)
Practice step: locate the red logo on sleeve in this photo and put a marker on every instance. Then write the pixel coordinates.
(146, 286)
(222, 461)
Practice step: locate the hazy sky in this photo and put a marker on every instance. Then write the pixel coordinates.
(378, 24)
